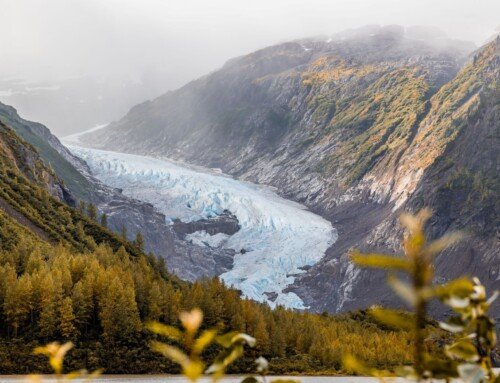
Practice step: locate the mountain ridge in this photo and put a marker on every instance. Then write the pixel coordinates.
(358, 124)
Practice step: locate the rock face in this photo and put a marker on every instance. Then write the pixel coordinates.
(225, 223)
(358, 127)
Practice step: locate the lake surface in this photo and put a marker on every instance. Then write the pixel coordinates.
(179, 379)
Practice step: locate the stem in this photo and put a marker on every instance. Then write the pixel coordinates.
(420, 314)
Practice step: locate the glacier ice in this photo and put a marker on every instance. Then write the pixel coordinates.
(278, 236)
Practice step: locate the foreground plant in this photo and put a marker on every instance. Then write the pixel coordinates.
(191, 361)
(56, 352)
(417, 264)
(476, 331)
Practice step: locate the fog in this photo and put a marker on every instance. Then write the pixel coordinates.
(150, 46)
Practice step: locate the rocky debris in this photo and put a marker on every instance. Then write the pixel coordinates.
(226, 223)
(191, 262)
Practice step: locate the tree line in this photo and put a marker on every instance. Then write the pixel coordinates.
(101, 299)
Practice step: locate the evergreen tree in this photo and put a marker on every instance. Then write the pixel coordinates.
(92, 211)
(51, 296)
(83, 303)
(18, 301)
(139, 241)
(119, 314)
(67, 319)
(154, 302)
(104, 220)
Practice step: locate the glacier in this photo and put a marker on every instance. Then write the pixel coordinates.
(277, 237)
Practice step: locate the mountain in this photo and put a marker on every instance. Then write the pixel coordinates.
(358, 127)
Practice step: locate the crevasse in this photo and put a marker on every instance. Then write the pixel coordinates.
(279, 236)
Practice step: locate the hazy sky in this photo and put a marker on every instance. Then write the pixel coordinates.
(50, 39)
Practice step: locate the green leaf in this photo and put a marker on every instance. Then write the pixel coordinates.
(225, 340)
(435, 247)
(380, 261)
(233, 337)
(471, 373)
(224, 359)
(204, 340)
(235, 353)
(463, 349)
(393, 318)
(402, 289)
(457, 303)
(193, 369)
(461, 287)
(493, 298)
(453, 325)
(164, 330)
(171, 352)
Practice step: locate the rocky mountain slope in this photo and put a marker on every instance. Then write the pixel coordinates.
(358, 127)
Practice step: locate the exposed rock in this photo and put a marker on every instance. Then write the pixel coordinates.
(226, 223)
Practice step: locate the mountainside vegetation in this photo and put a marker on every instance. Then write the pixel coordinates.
(26, 187)
(40, 137)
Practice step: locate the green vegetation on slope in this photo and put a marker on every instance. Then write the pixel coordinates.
(24, 182)
(377, 124)
(72, 178)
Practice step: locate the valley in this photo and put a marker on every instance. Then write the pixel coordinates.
(277, 239)
(249, 192)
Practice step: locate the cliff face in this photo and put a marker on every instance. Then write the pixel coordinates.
(358, 128)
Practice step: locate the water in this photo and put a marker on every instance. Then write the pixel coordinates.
(180, 379)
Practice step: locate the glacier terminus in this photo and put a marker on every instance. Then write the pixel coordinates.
(277, 237)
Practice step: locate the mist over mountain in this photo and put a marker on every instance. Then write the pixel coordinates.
(72, 105)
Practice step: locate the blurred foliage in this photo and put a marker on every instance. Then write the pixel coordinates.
(468, 356)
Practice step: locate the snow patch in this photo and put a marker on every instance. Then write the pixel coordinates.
(278, 236)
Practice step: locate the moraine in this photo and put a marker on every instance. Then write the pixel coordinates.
(277, 238)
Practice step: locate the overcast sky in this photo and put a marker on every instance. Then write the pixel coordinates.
(50, 39)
